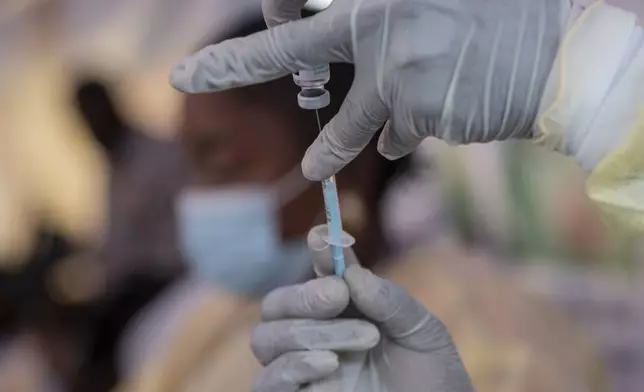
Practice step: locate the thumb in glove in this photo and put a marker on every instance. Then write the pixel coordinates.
(398, 315)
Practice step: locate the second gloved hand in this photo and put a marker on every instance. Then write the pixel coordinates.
(395, 346)
(464, 71)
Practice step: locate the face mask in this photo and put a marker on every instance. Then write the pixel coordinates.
(230, 237)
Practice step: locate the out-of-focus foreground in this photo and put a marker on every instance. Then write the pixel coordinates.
(96, 147)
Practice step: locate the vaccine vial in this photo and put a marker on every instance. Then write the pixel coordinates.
(313, 95)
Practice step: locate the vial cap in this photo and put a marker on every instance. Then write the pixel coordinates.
(313, 98)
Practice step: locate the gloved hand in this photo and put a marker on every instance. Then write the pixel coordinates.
(465, 71)
(396, 346)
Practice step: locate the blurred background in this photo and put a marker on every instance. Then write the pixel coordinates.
(90, 168)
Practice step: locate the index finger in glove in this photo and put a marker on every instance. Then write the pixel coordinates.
(360, 117)
(275, 338)
(261, 57)
(316, 299)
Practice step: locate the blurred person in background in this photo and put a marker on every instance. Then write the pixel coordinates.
(138, 250)
(46, 304)
(145, 175)
(243, 225)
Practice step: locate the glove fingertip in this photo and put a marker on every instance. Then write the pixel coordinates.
(324, 361)
(319, 299)
(332, 297)
(371, 336)
(319, 163)
(180, 77)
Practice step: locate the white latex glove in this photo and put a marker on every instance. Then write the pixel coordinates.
(464, 71)
(396, 345)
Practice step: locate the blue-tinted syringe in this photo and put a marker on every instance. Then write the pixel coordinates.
(314, 97)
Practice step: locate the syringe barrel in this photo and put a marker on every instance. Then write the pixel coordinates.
(334, 224)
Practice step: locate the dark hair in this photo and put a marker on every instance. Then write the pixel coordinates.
(342, 75)
(96, 106)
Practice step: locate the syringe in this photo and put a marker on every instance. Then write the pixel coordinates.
(314, 97)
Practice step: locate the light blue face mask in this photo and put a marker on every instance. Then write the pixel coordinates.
(231, 238)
